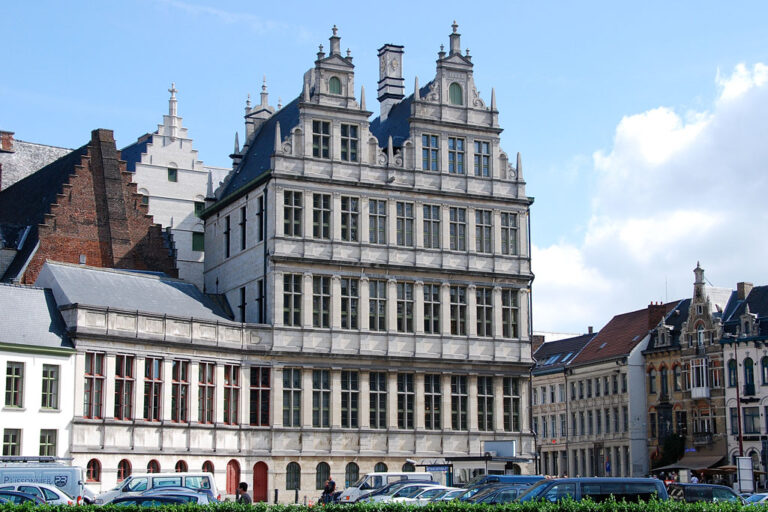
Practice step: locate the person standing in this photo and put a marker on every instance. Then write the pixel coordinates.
(329, 489)
(242, 494)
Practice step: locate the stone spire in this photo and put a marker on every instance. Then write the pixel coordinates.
(362, 98)
(519, 169)
(493, 99)
(277, 137)
(455, 38)
(416, 93)
(172, 112)
(237, 144)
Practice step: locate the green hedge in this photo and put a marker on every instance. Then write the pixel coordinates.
(451, 506)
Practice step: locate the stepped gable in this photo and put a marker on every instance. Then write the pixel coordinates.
(83, 206)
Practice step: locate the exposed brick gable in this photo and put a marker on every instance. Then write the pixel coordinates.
(99, 214)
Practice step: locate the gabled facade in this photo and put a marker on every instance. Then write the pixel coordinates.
(174, 184)
(390, 263)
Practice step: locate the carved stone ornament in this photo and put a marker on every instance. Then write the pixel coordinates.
(511, 171)
(477, 101)
(398, 159)
(434, 93)
(381, 158)
(287, 148)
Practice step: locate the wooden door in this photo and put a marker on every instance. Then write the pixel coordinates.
(260, 482)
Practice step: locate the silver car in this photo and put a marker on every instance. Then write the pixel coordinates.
(45, 492)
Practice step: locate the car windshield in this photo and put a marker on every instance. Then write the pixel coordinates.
(534, 490)
(756, 498)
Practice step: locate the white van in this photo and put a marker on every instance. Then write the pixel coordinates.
(69, 479)
(138, 483)
(373, 481)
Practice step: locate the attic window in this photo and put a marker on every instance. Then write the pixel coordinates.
(334, 85)
(603, 345)
(567, 356)
(455, 94)
(552, 359)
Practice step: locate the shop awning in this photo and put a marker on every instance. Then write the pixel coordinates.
(693, 462)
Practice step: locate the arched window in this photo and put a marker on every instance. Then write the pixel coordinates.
(652, 381)
(292, 476)
(93, 471)
(207, 467)
(749, 372)
(123, 470)
(351, 474)
(334, 87)
(676, 375)
(764, 368)
(732, 373)
(322, 472)
(664, 374)
(455, 94)
(700, 335)
(409, 468)
(181, 467)
(380, 467)
(153, 466)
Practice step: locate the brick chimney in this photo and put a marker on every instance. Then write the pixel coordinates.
(656, 312)
(743, 289)
(590, 330)
(537, 340)
(6, 141)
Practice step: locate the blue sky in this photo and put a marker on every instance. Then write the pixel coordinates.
(617, 109)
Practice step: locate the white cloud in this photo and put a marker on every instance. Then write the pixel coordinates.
(672, 190)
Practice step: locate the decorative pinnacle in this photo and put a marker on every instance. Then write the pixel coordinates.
(467, 52)
(320, 48)
(454, 26)
(442, 47)
(349, 53)
(279, 103)
(334, 29)
(264, 83)
(248, 101)
(173, 90)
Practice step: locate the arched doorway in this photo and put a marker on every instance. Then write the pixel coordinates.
(233, 476)
(260, 482)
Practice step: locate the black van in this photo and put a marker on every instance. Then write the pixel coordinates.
(598, 489)
(712, 493)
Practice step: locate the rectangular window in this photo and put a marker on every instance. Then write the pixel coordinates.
(734, 421)
(173, 174)
(459, 399)
(483, 230)
(321, 398)
(321, 138)
(509, 313)
(431, 226)
(94, 385)
(377, 221)
(11, 442)
(260, 303)
(321, 301)
(652, 424)
(404, 222)
(482, 159)
(458, 229)
(625, 417)
(432, 401)
(350, 212)
(124, 383)
(623, 382)
(561, 392)
(350, 399)
(243, 228)
(206, 388)
(198, 242)
(751, 420)
(199, 207)
(430, 145)
(616, 428)
(321, 216)
(404, 307)
(50, 398)
(590, 424)
(377, 305)
(227, 235)
(405, 399)
(180, 391)
(378, 399)
(597, 386)
(48, 443)
(485, 403)
(607, 421)
(241, 307)
(598, 422)
(458, 296)
(574, 431)
(292, 299)
(455, 155)
(563, 426)
(231, 394)
(484, 312)
(14, 384)
(291, 397)
(589, 388)
(582, 429)
(431, 308)
(350, 298)
(153, 388)
(293, 203)
(260, 396)
(260, 219)
(349, 142)
(511, 399)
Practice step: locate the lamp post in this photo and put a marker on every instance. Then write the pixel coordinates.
(738, 393)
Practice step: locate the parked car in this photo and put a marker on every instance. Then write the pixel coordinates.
(18, 498)
(374, 481)
(394, 486)
(503, 479)
(147, 501)
(692, 493)
(199, 496)
(504, 493)
(47, 493)
(406, 491)
(138, 483)
(450, 495)
(754, 499)
(424, 495)
(598, 489)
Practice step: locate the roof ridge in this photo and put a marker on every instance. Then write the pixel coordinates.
(127, 272)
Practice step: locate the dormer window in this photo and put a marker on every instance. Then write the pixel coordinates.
(455, 94)
(334, 85)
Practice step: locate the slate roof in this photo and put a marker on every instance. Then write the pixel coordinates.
(619, 336)
(132, 153)
(555, 355)
(257, 159)
(31, 317)
(757, 300)
(674, 320)
(26, 202)
(397, 123)
(125, 290)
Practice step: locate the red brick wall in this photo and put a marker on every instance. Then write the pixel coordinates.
(99, 214)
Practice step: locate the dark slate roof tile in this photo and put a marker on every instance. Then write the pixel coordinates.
(132, 153)
(397, 123)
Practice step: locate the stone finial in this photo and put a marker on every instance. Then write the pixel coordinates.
(237, 144)
(362, 97)
(278, 142)
(334, 30)
(172, 100)
(320, 52)
(335, 39)
(279, 103)
(455, 26)
(349, 53)
(416, 93)
(455, 40)
(441, 53)
(493, 99)
(519, 166)
(264, 93)
(248, 102)
(173, 90)
(306, 92)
